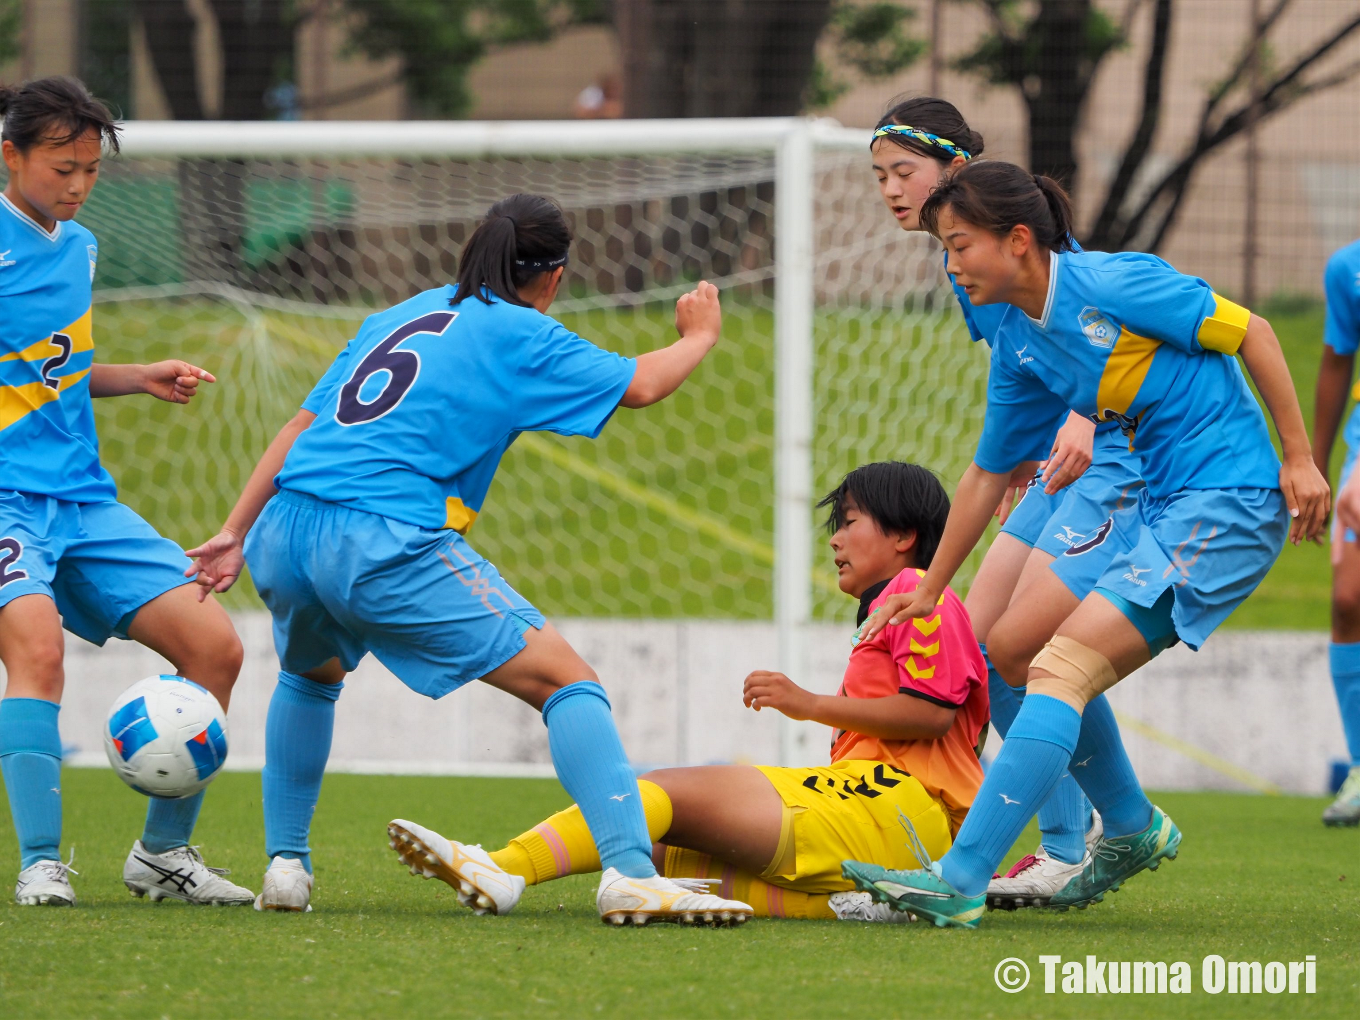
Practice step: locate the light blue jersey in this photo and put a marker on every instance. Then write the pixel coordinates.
(1125, 338)
(1342, 329)
(415, 414)
(1047, 521)
(47, 438)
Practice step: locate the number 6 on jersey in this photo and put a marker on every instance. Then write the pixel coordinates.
(402, 367)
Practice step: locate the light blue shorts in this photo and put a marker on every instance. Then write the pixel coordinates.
(1210, 547)
(1102, 500)
(1031, 514)
(99, 562)
(341, 583)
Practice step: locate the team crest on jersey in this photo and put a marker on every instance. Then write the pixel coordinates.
(94, 257)
(1098, 329)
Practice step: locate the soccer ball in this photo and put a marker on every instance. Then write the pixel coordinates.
(166, 737)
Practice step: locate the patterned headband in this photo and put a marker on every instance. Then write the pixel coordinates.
(924, 137)
(542, 265)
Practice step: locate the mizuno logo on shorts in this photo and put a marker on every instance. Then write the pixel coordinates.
(1102, 533)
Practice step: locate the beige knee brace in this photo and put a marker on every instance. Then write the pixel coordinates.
(1077, 674)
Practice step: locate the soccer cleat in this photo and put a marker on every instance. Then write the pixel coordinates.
(46, 884)
(1345, 810)
(1117, 859)
(1036, 877)
(860, 906)
(287, 887)
(623, 900)
(180, 874)
(920, 891)
(480, 883)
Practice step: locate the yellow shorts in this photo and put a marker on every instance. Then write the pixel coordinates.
(850, 811)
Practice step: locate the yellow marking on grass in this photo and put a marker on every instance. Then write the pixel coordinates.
(698, 521)
(1198, 754)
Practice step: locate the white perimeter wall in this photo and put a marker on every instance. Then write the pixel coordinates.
(1262, 702)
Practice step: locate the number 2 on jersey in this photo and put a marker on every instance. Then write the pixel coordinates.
(402, 368)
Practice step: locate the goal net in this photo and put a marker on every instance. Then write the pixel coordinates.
(258, 254)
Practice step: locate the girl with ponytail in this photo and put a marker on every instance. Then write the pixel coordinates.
(1025, 586)
(353, 524)
(1121, 338)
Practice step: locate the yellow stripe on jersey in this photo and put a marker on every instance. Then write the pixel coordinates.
(18, 401)
(1355, 390)
(1125, 370)
(82, 339)
(1223, 331)
(457, 516)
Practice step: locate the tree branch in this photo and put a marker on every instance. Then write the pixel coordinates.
(1280, 94)
(1154, 75)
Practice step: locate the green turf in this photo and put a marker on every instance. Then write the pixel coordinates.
(1258, 879)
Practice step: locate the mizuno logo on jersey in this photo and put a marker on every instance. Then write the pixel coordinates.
(1021, 355)
(5, 260)
(1098, 329)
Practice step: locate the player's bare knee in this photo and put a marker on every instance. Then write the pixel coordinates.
(1010, 653)
(36, 668)
(1346, 608)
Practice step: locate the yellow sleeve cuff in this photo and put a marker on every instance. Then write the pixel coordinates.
(1223, 331)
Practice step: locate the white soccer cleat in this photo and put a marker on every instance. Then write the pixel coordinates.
(46, 884)
(623, 900)
(287, 887)
(1036, 877)
(860, 906)
(180, 874)
(481, 884)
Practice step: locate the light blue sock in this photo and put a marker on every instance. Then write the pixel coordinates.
(1031, 762)
(592, 765)
(170, 823)
(297, 742)
(30, 757)
(1346, 679)
(1102, 767)
(1066, 815)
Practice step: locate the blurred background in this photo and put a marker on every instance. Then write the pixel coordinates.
(1240, 162)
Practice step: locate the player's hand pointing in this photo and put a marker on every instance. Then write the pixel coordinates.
(1308, 496)
(764, 689)
(174, 381)
(898, 609)
(217, 563)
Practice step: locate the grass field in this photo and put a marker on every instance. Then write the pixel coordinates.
(1258, 879)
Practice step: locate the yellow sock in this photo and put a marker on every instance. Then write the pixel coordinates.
(562, 845)
(765, 898)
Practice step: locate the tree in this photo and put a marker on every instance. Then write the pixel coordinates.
(11, 25)
(1051, 51)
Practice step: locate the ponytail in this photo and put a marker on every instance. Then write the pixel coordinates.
(57, 110)
(522, 236)
(998, 197)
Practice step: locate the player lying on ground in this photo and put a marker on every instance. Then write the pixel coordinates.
(1123, 337)
(1052, 548)
(908, 718)
(377, 479)
(1341, 337)
(70, 554)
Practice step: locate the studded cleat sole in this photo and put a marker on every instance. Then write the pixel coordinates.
(425, 863)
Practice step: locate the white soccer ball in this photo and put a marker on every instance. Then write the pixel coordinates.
(166, 737)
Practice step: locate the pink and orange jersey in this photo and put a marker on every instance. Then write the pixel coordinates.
(935, 658)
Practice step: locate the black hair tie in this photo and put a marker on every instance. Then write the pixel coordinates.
(542, 265)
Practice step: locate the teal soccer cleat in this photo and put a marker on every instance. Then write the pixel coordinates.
(921, 892)
(1117, 859)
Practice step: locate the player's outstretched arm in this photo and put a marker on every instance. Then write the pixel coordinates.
(975, 500)
(1304, 486)
(218, 562)
(896, 717)
(172, 381)
(698, 320)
